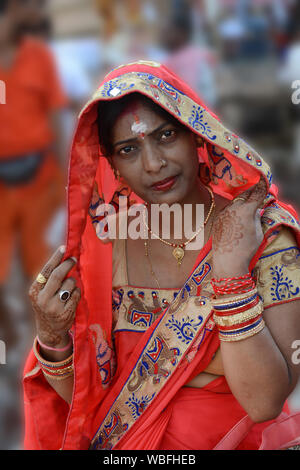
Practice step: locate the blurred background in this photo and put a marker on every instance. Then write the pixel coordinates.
(243, 58)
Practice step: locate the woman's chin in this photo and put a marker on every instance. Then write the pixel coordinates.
(167, 195)
(165, 198)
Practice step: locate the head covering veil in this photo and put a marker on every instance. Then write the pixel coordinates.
(232, 167)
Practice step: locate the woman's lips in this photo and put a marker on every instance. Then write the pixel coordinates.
(165, 184)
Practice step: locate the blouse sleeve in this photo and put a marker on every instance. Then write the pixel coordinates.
(278, 269)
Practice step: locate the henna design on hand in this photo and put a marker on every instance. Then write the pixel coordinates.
(53, 317)
(259, 192)
(52, 324)
(228, 230)
(49, 336)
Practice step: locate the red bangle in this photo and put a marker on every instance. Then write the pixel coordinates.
(49, 348)
(233, 285)
(235, 289)
(235, 278)
(232, 290)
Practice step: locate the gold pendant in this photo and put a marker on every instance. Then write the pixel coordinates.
(178, 254)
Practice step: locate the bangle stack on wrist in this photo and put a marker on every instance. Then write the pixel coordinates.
(54, 370)
(238, 316)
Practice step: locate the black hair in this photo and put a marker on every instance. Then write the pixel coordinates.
(109, 111)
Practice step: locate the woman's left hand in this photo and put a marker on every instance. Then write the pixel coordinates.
(237, 232)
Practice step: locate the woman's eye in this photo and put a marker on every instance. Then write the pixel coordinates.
(126, 150)
(168, 134)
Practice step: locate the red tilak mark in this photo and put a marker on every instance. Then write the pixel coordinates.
(137, 120)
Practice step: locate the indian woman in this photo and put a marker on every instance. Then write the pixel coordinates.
(143, 342)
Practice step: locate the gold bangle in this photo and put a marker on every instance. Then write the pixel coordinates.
(241, 336)
(239, 198)
(58, 371)
(237, 318)
(48, 363)
(58, 377)
(233, 298)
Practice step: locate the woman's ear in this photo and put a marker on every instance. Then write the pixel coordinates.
(204, 173)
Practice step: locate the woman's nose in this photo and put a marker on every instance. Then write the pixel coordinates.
(152, 159)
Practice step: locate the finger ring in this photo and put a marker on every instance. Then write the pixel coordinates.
(41, 279)
(240, 199)
(64, 295)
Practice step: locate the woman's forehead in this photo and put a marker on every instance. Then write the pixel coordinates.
(137, 112)
(138, 105)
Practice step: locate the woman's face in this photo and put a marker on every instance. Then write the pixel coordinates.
(157, 159)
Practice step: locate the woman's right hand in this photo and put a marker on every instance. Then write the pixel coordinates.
(54, 317)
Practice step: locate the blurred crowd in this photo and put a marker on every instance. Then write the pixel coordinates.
(241, 56)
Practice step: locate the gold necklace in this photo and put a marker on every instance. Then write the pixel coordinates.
(147, 254)
(178, 251)
(149, 261)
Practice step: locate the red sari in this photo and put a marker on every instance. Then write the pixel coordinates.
(137, 400)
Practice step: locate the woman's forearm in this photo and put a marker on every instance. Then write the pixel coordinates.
(63, 387)
(257, 374)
